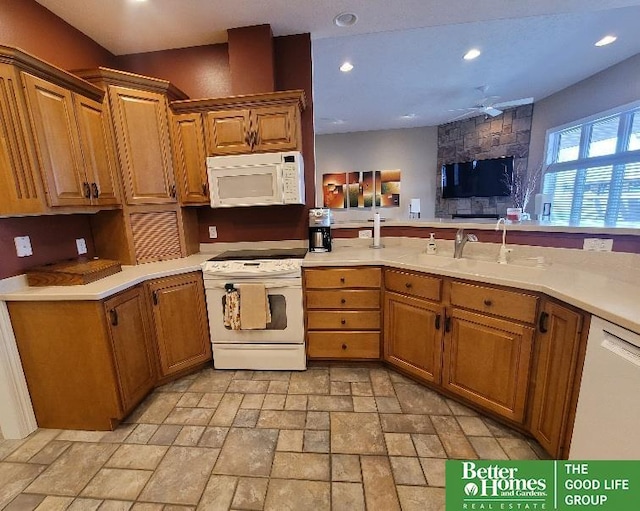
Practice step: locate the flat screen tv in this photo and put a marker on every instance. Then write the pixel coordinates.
(478, 178)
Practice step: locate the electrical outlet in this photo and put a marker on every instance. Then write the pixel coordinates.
(81, 244)
(213, 232)
(365, 234)
(23, 246)
(597, 244)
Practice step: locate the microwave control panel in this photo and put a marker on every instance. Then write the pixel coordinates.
(292, 183)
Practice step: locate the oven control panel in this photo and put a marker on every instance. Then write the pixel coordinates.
(255, 268)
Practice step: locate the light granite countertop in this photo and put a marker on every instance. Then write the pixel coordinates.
(610, 294)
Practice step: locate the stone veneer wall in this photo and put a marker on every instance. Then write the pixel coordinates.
(479, 138)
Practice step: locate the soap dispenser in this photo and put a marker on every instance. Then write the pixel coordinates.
(432, 248)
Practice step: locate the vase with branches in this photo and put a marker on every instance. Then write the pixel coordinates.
(522, 185)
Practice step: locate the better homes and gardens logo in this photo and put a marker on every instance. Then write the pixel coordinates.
(542, 485)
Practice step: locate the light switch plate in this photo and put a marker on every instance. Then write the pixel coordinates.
(23, 246)
(213, 232)
(365, 234)
(81, 244)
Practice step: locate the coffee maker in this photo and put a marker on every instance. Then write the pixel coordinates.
(320, 230)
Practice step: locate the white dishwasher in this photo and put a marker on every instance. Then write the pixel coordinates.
(607, 424)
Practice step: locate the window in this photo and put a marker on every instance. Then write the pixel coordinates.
(593, 171)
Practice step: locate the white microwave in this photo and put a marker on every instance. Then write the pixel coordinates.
(261, 179)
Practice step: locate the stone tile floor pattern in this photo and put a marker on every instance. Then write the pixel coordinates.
(333, 437)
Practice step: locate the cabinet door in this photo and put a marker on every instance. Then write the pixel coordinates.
(413, 335)
(131, 341)
(276, 128)
(556, 352)
(228, 132)
(190, 156)
(57, 142)
(97, 154)
(19, 191)
(486, 360)
(180, 319)
(143, 145)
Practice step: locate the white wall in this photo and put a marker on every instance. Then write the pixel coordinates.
(413, 151)
(613, 87)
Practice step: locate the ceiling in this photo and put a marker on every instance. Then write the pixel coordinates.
(407, 54)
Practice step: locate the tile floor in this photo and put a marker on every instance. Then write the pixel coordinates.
(333, 437)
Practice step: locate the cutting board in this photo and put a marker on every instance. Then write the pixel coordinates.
(72, 272)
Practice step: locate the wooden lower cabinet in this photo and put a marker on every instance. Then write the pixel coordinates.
(87, 363)
(486, 361)
(556, 363)
(180, 321)
(413, 335)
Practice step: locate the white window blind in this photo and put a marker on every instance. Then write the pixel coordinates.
(593, 171)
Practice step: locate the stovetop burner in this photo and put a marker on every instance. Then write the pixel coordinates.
(272, 253)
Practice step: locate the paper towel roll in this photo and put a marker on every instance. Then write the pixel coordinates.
(376, 230)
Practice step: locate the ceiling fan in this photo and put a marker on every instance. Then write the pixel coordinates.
(488, 106)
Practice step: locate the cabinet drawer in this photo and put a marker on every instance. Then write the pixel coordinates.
(343, 299)
(508, 304)
(343, 278)
(343, 320)
(413, 285)
(344, 345)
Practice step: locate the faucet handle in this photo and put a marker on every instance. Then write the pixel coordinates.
(472, 237)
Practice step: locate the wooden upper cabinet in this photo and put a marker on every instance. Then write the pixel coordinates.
(143, 145)
(228, 132)
(131, 342)
(555, 366)
(268, 122)
(180, 320)
(486, 360)
(276, 128)
(57, 142)
(190, 158)
(20, 188)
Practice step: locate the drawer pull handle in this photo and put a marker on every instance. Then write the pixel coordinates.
(344, 346)
(437, 321)
(407, 285)
(447, 323)
(343, 321)
(87, 190)
(542, 322)
(114, 317)
(488, 302)
(343, 301)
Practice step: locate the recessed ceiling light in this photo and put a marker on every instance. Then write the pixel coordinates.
(345, 19)
(346, 67)
(471, 54)
(608, 39)
(408, 116)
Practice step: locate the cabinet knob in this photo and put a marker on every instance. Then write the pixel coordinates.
(204, 189)
(343, 301)
(342, 280)
(343, 321)
(488, 302)
(407, 285)
(344, 346)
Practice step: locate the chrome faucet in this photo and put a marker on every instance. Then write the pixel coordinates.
(461, 241)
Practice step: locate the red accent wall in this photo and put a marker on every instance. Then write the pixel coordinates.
(53, 238)
(199, 71)
(251, 59)
(29, 26)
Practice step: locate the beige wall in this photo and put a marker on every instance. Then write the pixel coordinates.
(613, 87)
(413, 151)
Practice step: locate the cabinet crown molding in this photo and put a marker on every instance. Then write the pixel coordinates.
(296, 96)
(33, 65)
(104, 76)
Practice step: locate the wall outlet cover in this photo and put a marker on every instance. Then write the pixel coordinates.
(23, 246)
(81, 245)
(213, 232)
(597, 244)
(367, 234)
